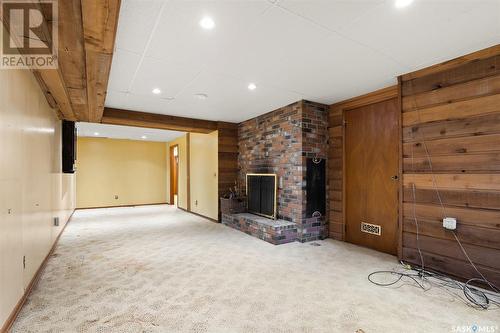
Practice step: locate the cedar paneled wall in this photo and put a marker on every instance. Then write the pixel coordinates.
(335, 173)
(452, 112)
(228, 156)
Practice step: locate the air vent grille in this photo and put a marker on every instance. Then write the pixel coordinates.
(371, 228)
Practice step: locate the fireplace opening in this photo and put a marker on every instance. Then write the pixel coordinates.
(261, 194)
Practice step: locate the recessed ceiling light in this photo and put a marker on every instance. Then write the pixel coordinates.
(156, 91)
(252, 86)
(169, 98)
(96, 133)
(207, 23)
(402, 3)
(201, 96)
(144, 137)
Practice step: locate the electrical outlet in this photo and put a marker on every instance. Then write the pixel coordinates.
(116, 197)
(196, 202)
(450, 223)
(56, 221)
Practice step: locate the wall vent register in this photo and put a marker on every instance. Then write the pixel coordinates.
(371, 228)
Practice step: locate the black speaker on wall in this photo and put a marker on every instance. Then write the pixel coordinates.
(68, 146)
(315, 187)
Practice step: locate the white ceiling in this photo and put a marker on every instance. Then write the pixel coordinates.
(320, 50)
(125, 132)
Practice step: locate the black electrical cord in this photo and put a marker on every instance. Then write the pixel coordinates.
(473, 296)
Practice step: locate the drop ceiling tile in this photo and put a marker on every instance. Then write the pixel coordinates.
(334, 68)
(179, 37)
(135, 23)
(427, 31)
(278, 35)
(168, 76)
(323, 50)
(117, 99)
(332, 14)
(229, 99)
(123, 68)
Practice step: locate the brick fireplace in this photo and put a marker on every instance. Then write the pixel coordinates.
(279, 142)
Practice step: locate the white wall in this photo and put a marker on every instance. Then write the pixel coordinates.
(203, 149)
(32, 188)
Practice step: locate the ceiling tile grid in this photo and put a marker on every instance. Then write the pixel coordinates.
(321, 50)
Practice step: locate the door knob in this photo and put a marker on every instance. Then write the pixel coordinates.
(395, 177)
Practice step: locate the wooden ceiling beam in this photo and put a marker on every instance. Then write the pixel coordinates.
(72, 56)
(152, 120)
(100, 19)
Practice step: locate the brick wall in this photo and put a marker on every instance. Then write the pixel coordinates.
(279, 142)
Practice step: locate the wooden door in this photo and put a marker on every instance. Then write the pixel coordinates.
(372, 175)
(174, 173)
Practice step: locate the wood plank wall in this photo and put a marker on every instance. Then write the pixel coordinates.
(336, 226)
(228, 156)
(452, 113)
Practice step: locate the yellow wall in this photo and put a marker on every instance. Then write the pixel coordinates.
(135, 171)
(32, 187)
(203, 150)
(183, 181)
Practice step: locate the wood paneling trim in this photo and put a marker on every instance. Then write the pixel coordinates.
(367, 99)
(459, 92)
(467, 216)
(468, 145)
(479, 125)
(465, 163)
(454, 197)
(454, 181)
(160, 121)
(467, 234)
(451, 266)
(228, 156)
(469, 71)
(457, 62)
(487, 257)
(457, 110)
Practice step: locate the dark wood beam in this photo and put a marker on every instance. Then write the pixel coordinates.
(72, 56)
(160, 121)
(100, 19)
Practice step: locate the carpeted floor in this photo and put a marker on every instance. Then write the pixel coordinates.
(158, 269)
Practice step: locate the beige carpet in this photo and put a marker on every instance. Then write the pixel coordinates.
(158, 269)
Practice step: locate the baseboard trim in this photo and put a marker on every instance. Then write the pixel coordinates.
(205, 217)
(15, 312)
(118, 206)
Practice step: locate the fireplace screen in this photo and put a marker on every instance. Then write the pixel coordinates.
(261, 194)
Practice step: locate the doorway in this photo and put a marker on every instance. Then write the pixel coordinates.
(174, 174)
(372, 175)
